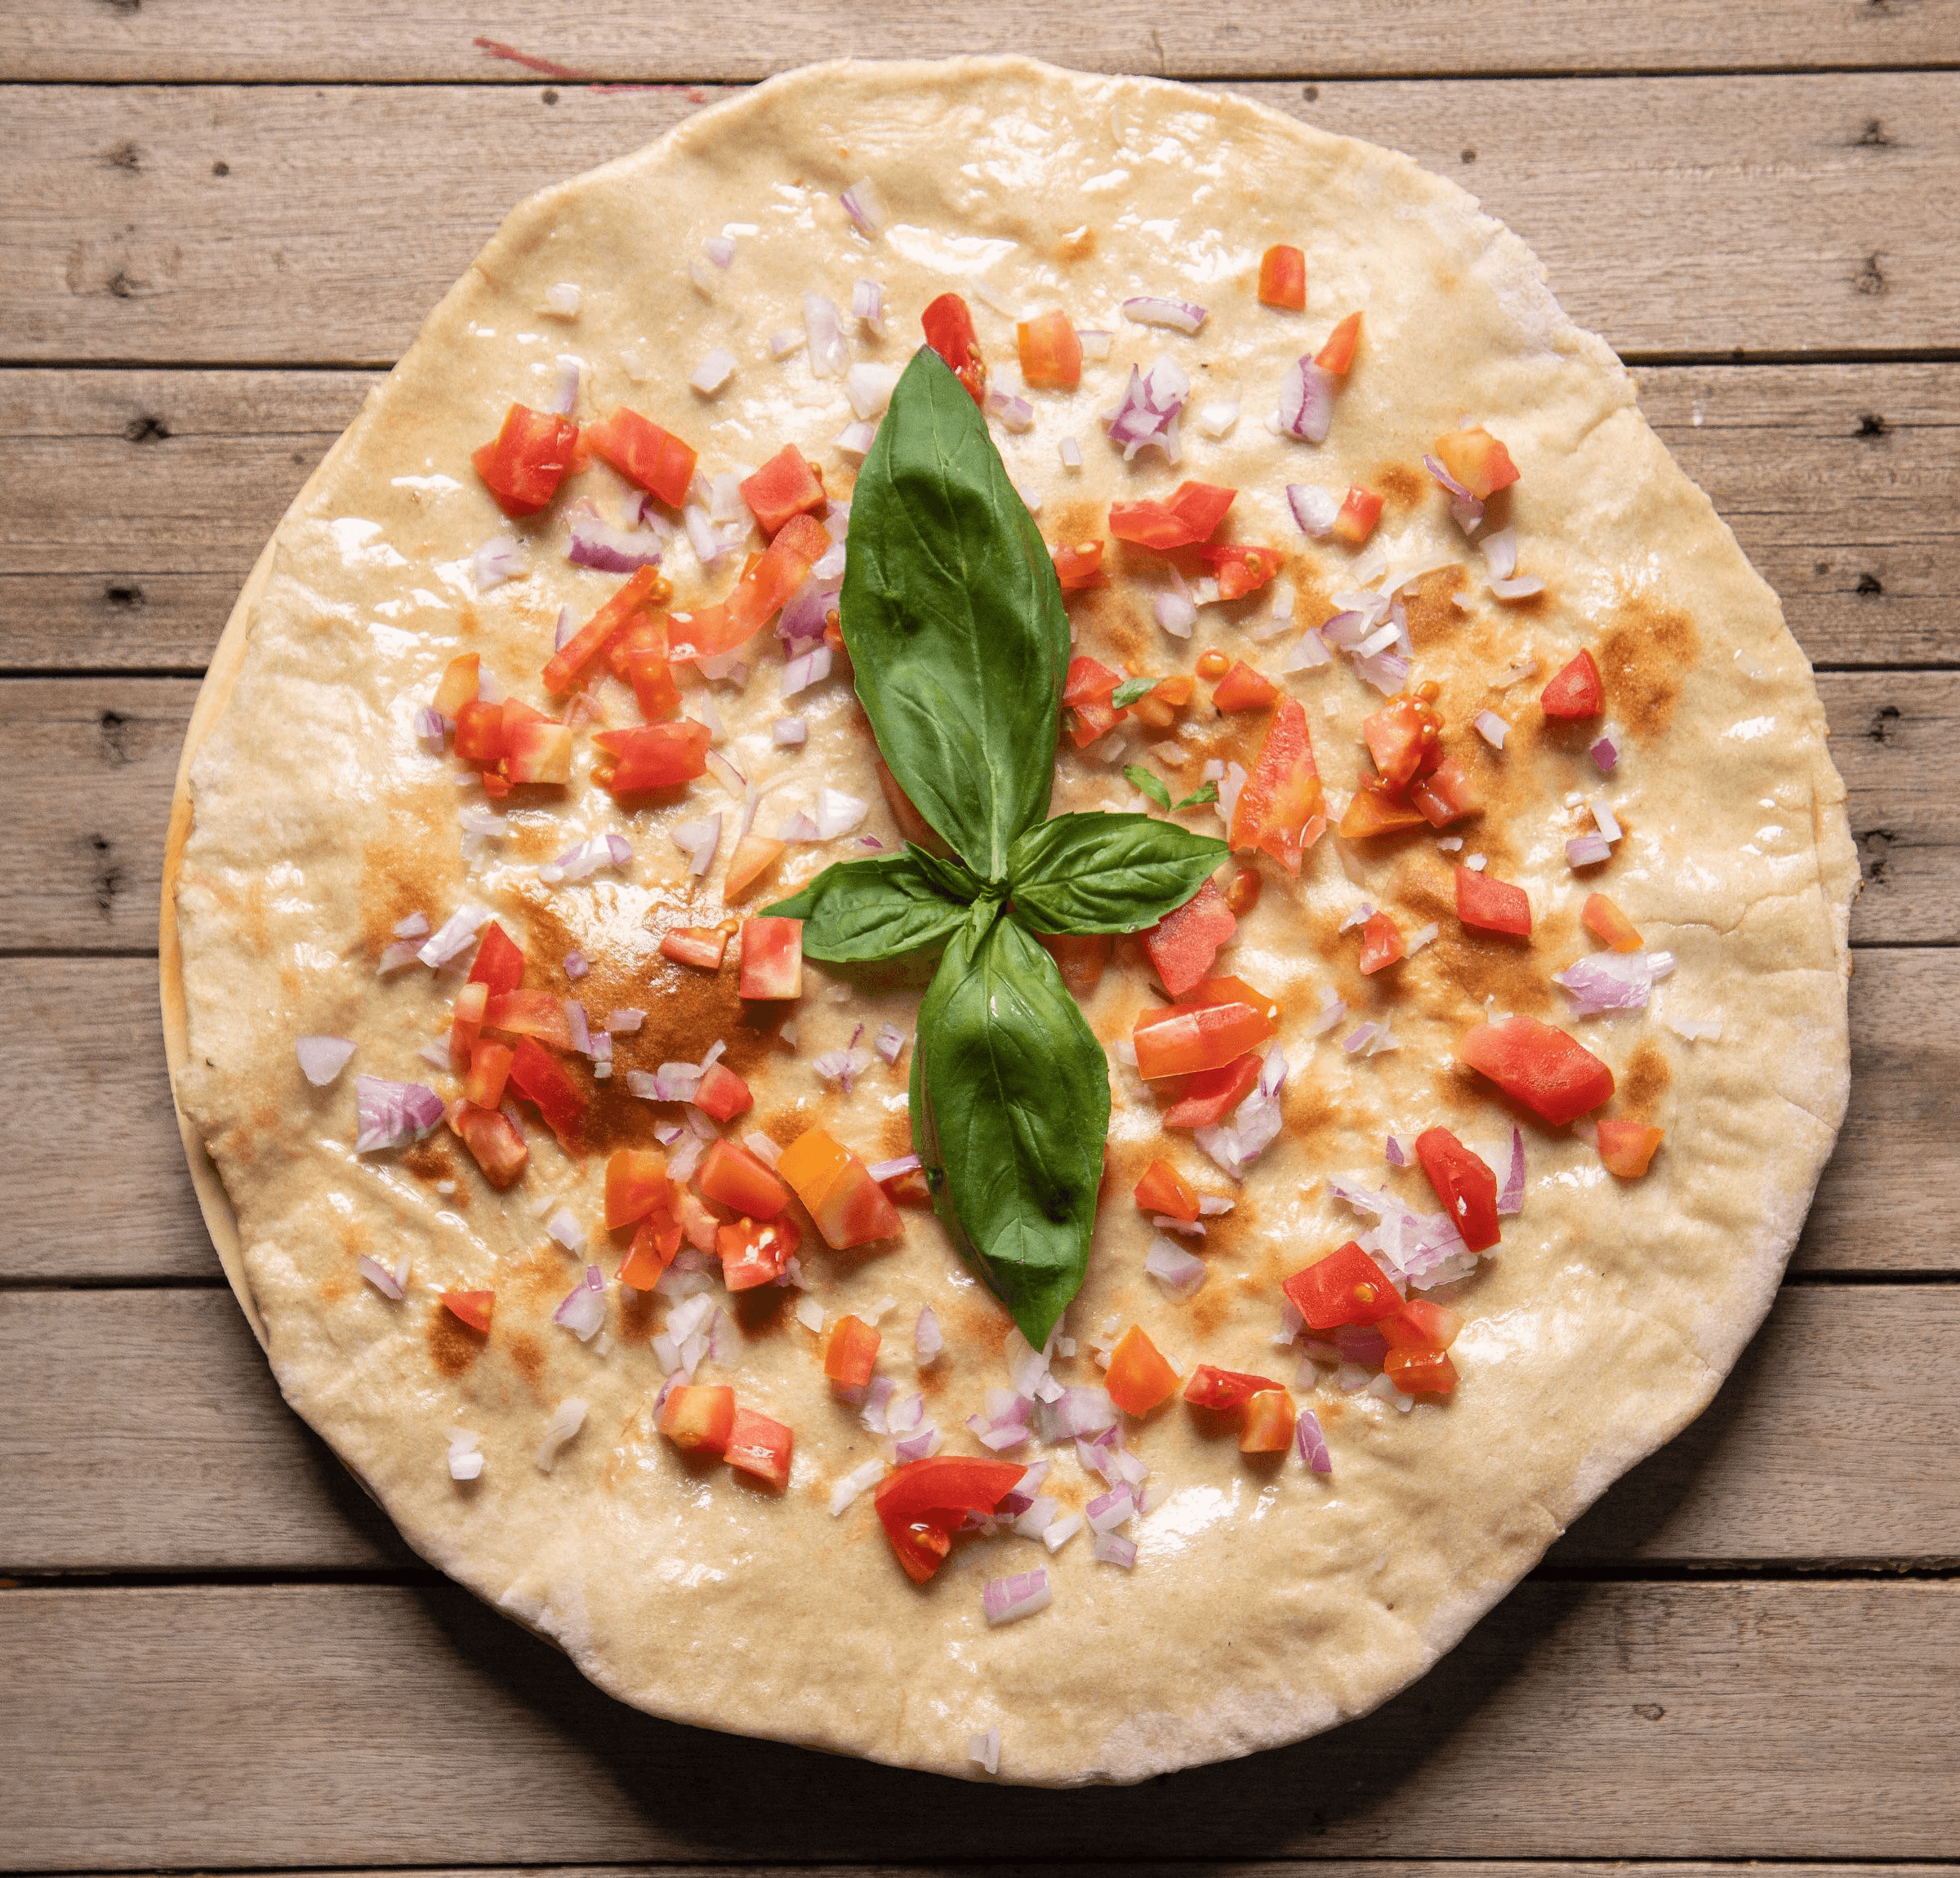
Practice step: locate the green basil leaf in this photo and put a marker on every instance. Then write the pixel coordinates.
(1150, 784)
(1130, 690)
(954, 621)
(1102, 873)
(952, 877)
(1010, 1112)
(856, 912)
(1205, 792)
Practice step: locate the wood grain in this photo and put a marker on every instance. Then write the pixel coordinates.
(1827, 1442)
(318, 224)
(1210, 1868)
(368, 1724)
(196, 40)
(141, 499)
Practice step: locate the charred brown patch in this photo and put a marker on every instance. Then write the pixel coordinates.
(453, 1347)
(1433, 619)
(1078, 244)
(1643, 660)
(1643, 1082)
(1211, 1310)
(1402, 486)
(1474, 966)
(399, 874)
(636, 1312)
(428, 1160)
(526, 1357)
(981, 1324)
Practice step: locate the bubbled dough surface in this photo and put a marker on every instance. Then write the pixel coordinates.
(1610, 1312)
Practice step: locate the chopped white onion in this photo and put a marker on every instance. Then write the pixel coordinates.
(806, 670)
(829, 355)
(561, 300)
(1500, 553)
(466, 1457)
(783, 344)
(985, 1749)
(1178, 1271)
(716, 368)
(838, 813)
(1314, 509)
(1492, 728)
(566, 1419)
(786, 732)
(862, 204)
(1071, 453)
(1096, 342)
(584, 1312)
(1522, 589)
(1155, 311)
(853, 1483)
(1216, 419)
(499, 559)
(869, 388)
(322, 1058)
(453, 936)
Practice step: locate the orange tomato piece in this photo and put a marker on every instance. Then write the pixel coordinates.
(1051, 355)
(698, 1418)
(1420, 1372)
(1139, 1378)
(1081, 958)
(1337, 353)
(1186, 1039)
(723, 1094)
(1204, 1099)
(949, 331)
(1079, 567)
(1373, 810)
(1163, 1190)
(1241, 569)
(1185, 942)
(563, 669)
(755, 855)
(1575, 692)
(703, 947)
(1282, 808)
(1224, 1390)
(1269, 1421)
(759, 1446)
(1381, 943)
(493, 1142)
(733, 1177)
(1609, 925)
(655, 1242)
(1492, 906)
(1476, 460)
(851, 1352)
(772, 958)
(471, 1307)
(754, 1251)
(1283, 278)
(1361, 508)
(636, 1182)
(1242, 688)
(489, 1070)
(644, 453)
(1627, 1148)
(655, 756)
(458, 687)
(522, 466)
(849, 1207)
(1405, 737)
(1551, 1072)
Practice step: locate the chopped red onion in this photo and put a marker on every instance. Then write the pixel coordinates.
(1071, 453)
(726, 773)
(719, 250)
(1361, 1343)
(783, 344)
(1464, 508)
(877, 1393)
(1037, 1517)
(1500, 553)
(1492, 728)
(1148, 412)
(453, 936)
(431, 729)
(807, 611)
(1613, 981)
(391, 1113)
(1313, 508)
(1307, 652)
(1522, 589)
(788, 732)
(1333, 1008)
(905, 1413)
(1154, 311)
(891, 1169)
(1173, 610)
(806, 670)
(842, 1066)
(838, 813)
(1312, 1443)
(917, 1447)
(1113, 1549)
(800, 827)
(829, 355)
(985, 1750)
(1387, 672)
(1004, 1600)
(1346, 631)
(561, 300)
(1511, 1197)
(1397, 1157)
(577, 965)
(393, 1285)
(1361, 1039)
(499, 559)
(1606, 753)
(1108, 1511)
(1016, 413)
(1096, 342)
(867, 304)
(890, 1042)
(1229, 785)
(1177, 1271)
(1078, 1411)
(563, 1226)
(869, 387)
(1307, 401)
(856, 439)
(566, 1419)
(699, 839)
(862, 203)
(717, 367)
(322, 1058)
(1587, 850)
(581, 863)
(1378, 641)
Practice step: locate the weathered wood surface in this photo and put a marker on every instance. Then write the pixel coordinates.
(88, 765)
(1210, 1868)
(90, 1045)
(200, 40)
(294, 1725)
(305, 224)
(1828, 1442)
(142, 498)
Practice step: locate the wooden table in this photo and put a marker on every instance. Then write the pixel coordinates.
(221, 224)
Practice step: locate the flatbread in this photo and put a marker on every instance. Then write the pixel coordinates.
(1266, 1602)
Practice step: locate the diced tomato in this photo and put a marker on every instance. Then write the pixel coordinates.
(471, 1307)
(1241, 569)
(636, 1182)
(1242, 894)
(801, 543)
(655, 756)
(1405, 737)
(753, 1250)
(644, 453)
(480, 731)
(1163, 1190)
(1227, 989)
(786, 485)
(850, 1353)
(1080, 568)
(1492, 906)
(1575, 690)
(1282, 808)
(524, 466)
(696, 1222)
(494, 1145)
(1190, 516)
(761, 1447)
(494, 786)
(1139, 1378)
(1337, 355)
(1089, 681)
(1051, 355)
(530, 1014)
(1361, 508)
(1088, 722)
(1627, 1147)
(538, 1074)
(1477, 461)
(1420, 1325)
(489, 1069)
(652, 678)
(1269, 1421)
(643, 634)
(1186, 1039)
(537, 753)
(458, 687)
(466, 1024)
(654, 1245)
(772, 958)
(1446, 795)
(1283, 278)
(1373, 810)
(1159, 706)
(698, 1416)
(949, 332)
(500, 961)
(755, 855)
(723, 1094)
(1346, 1287)
(1079, 957)
(1381, 943)
(1183, 944)
(1224, 1390)
(1420, 1372)
(733, 1177)
(1242, 688)
(1204, 1099)
(701, 946)
(849, 1207)
(1551, 1073)
(1463, 1180)
(921, 1504)
(1609, 925)
(568, 665)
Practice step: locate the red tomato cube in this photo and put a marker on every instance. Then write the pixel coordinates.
(644, 453)
(1477, 461)
(566, 666)
(499, 962)
(852, 1350)
(1165, 1191)
(1205, 1099)
(636, 1182)
(754, 1251)
(1492, 906)
(1139, 1378)
(1346, 1287)
(1242, 688)
(1420, 1372)
(1553, 1074)
(1381, 943)
(1281, 808)
(537, 752)
(733, 1177)
(1269, 1420)
(699, 945)
(1463, 1180)
(786, 485)
(723, 1094)
(772, 958)
(471, 1307)
(1337, 355)
(849, 1207)
(523, 466)
(1359, 512)
(538, 1074)
(761, 1447)
(1575, 692)
(949, 331)
(494, 1144)
(1224, 1390)
(1283, 278)
(698, 1418)
(1079, 567)
(1051, 353)
(1183, 944)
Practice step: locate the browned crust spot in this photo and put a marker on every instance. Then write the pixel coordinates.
(453, 1347)
(1644, 1081)
(1642, 662)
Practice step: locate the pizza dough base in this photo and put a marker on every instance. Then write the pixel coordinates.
(1266, 1604)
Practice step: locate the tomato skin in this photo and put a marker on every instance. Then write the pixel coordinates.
(1404, 738)
(537, 753)
(1283, 278)
(1477, 461)
(1080, 568)
(1575, 692)
(1463, 1182)
(1164, 1191)
(1420, 1325)
(851, 1352)
(849, 1207)
(1183, 944)
(644, 453)
(1241, 569)
(500, 961)
(636, 1182)
(1224, 1390)
(1242, 688)
(1492, 906)
(1138, 1378)
(786, 485)
(1346, 1287)
(1627, 1148)
(948, 323)
(698, 1418)
(654, 755)
(1420, 1372)
(494, 1145)
(1281, 809)
(697, 946)
(1088, 681)
(528, 459)
(539, 1075)
(529, 1014)
(759, 1446)
(489, 1069)
(1609, 925)
(654, 690)
(801, 543)
(654, 1245)
(1381, 943)
(772, 958)
(1337, 355)
(1187, 1039)
(1361, 508)
(1051, 355)
(1205, 1099)
(1270, 1416)
(1374, 810)
(754, 1251)
(920, 1503)
(733, 1177)
(472, 1308)
(1551, 1073)
(723, 1094)
(1081, 958)
(642, 588)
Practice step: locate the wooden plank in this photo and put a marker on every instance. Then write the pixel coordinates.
(305, 225)
(1828, 1442)
(141, 499)
(88, 764)
(323, 1725)
(426, 39)
(1211, 1868)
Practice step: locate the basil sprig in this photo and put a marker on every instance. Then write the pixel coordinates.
(954, 621)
